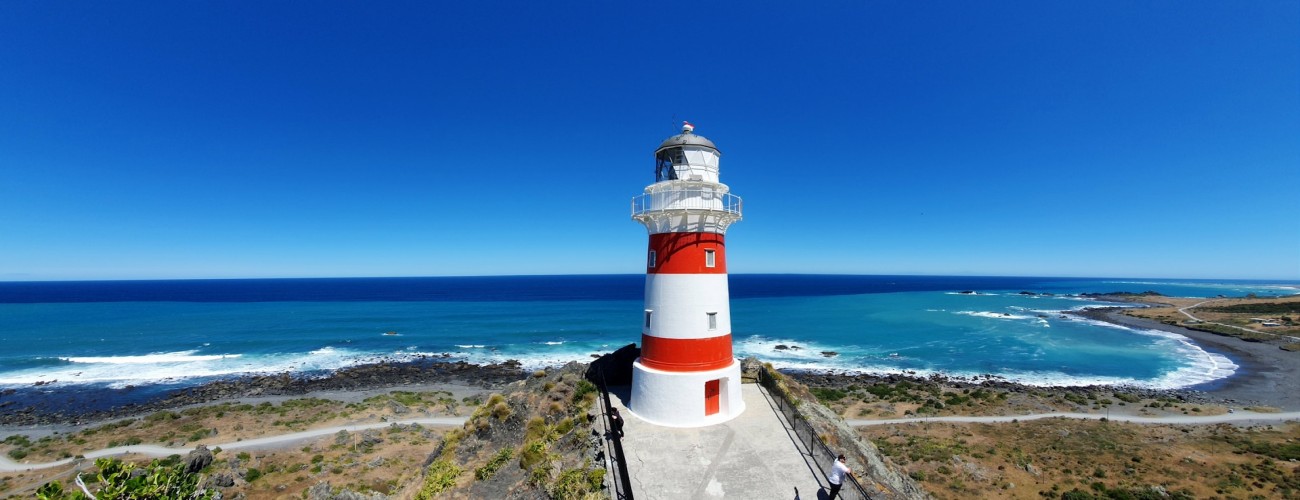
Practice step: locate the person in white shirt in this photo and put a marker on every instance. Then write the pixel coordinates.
(839, 470)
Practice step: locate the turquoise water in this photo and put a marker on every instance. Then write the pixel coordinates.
(131, 335)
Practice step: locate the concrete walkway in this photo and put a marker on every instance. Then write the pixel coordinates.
(752, 457)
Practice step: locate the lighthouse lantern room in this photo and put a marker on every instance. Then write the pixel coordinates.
(686, 375)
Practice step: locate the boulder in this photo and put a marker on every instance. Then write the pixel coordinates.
(615, 366)
(197, 459)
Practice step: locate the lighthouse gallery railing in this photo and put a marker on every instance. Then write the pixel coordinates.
(701, 198)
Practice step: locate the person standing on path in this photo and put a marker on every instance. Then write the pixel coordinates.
(617, 420)
(839, 471)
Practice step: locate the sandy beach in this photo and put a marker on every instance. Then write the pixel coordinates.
(1266, 375)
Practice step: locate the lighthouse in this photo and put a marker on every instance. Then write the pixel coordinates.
(686, 375)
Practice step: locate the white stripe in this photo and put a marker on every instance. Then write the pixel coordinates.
(680, 304)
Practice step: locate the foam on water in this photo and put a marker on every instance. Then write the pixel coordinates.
(165, 357)
(994, 315)
(164, 368)
(998, 331)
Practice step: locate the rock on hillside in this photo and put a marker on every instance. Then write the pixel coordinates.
(535, 439)
(875, 469)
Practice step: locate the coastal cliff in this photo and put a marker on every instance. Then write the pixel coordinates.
(880, 476)
(537, 438)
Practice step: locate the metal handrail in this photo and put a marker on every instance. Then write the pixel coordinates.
(622, 480)
(689, 199)
(821, 454)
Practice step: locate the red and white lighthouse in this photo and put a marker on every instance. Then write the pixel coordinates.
(686, 375)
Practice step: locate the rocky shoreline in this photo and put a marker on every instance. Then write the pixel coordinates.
(844, 381)
(1266, 376)
(78, 405)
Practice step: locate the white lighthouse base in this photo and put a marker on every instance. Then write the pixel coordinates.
(677, 399)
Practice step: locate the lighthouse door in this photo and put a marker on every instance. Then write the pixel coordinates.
(711, 397)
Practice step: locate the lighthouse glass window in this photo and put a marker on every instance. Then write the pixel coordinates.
(650, 260)
(709, 260)
(713, 321)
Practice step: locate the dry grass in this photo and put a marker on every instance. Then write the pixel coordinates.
(1049, 458)
(1206, 312)
(351, 461)
(1046, 458)
(881, 400)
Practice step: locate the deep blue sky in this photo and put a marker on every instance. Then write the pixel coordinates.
(266, 139)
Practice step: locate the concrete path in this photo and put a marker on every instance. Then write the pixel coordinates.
(262, 443)
(1236, 417)
(750, 457)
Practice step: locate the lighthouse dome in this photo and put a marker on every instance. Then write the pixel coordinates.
(686, 139)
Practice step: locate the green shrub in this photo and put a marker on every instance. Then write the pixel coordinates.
(501, 411)
(533, 454)
(20, 440)
(490, 469)
(583, 389)
(826, 394)
(440, 476)
(577, 483)
(117, 479)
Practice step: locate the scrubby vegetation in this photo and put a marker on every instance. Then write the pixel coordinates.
(438, 477)
(1256, 308)
(123, 480)
(1073, 459)
(534, 439)
(382, 461)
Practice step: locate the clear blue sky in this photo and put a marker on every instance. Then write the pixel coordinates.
(268, 139)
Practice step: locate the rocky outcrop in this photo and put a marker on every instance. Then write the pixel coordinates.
(616, 366)
(61, 405)
(322, 491)
(537, 438)
(197, 459)
(874, 469)
(878, 469)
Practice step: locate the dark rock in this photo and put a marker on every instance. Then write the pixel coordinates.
(830, 354)
(781, 347)
(222, 480)
(197, 459)
(44, 406)
(320, 491)
(370, 438)
(615, 367)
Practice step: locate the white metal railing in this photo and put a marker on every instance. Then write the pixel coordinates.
(687, 199)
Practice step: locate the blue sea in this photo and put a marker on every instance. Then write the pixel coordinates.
(185, 332)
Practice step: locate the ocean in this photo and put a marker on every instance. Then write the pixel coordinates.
(184, 332)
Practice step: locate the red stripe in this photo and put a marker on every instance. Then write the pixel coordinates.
(686, 355)
(684, 253)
